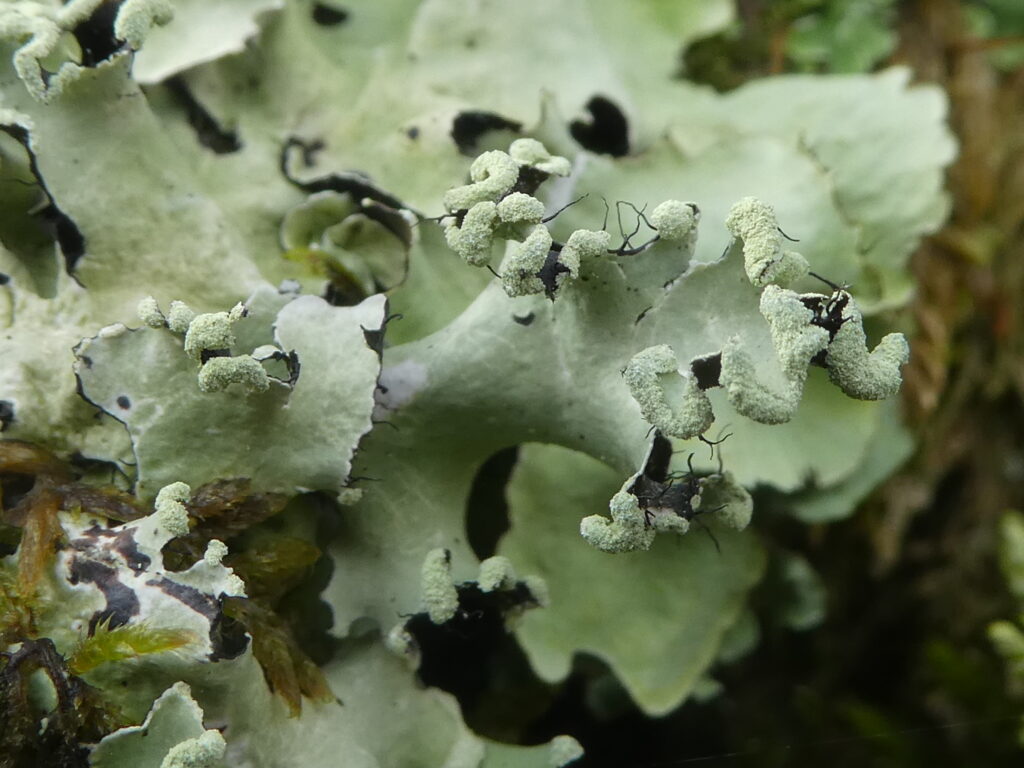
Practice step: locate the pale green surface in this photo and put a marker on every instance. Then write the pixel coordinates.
(852, 167)
(576, 344)
(889, 448)
(284, 439)
(656, 617)
(200, 31)
(175, 718)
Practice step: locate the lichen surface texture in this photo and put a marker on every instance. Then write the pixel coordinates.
(340, 342)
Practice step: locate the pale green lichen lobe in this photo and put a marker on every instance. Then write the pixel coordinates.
(539, 590)
(795, 341)
(733, 504)
(586, 244)
(136, 17)
(534, 154)
(209, 331)
(754, 222)
(496, 573)
(520, 208)
(564, 750)
(493, 175)
(216, 551)
(179, 317)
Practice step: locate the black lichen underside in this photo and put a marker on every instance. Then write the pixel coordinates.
(122, 602)
(656, 488)
(210, 133)
(607, 132)
(458, 656)
(329, 15)
(95, 35)
(707, 370)
(227, 637)
(468, 127)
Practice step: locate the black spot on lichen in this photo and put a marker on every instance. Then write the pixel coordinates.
(525, 319)
(607, 133)
(209, 132)
(329, 15)
(122, 603)
(4, 279)
(124, 402)
(6, 414)
(549, 272)
(227, 636)
(468, 127)
(486, 507)
(95, 35)
(412, 132)
(460, 655)
(707, 370)
(122, 542)
(530, 179)
(208, 354)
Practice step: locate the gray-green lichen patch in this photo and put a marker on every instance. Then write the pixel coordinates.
(358, 245)
(683, 592)
(277, 435)
(174, 724)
